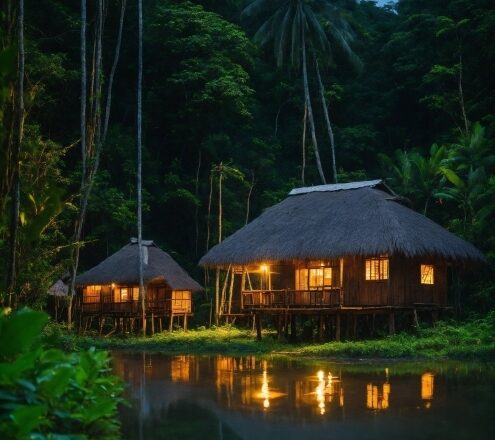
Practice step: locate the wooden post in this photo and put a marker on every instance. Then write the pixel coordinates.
(286, 325)
(293, 329)
(280, 327)
(391, 323)
(416, 322)
(152, 323)
(337, 327)
(160, 324)
(258, 326)
(354, 326)
(171, 323)
(320, 328)
(102, 323)
(185, 321)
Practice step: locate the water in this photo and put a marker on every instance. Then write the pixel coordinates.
(222, 397)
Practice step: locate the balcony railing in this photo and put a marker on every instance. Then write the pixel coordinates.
(287, 298)
(131, 308)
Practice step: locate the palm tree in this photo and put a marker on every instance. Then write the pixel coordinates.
(293, 27)
(142, 292)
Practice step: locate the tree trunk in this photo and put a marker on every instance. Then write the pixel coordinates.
(78, 225)
(327, 120)
(142, 292)
(305, 118)
(307, 99)
(89, 171)
(248, 201)
(16, 187)
(461, 93)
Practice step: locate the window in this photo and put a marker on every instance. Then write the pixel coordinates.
(314, 278)
(92, 294)
(376, 269)
(427, 274)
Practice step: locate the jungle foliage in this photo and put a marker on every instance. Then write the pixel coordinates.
(414, 104)
(47, 393)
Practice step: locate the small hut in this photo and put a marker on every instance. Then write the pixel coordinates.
(112, 287)
(329, 249)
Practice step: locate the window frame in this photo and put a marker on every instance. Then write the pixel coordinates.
(422, 277)
(380, 265)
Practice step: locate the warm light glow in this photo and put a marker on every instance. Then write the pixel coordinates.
(427, 274)
(320, 392)
(113, 285)
(375, 399)
(265, 392)
(427, 383)
(180, 369)
(376, 269)
(264, 268)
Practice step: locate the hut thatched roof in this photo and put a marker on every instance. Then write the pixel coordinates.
(59, 288)
(359, 218)
(122, 268)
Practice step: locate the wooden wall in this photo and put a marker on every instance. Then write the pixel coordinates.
(403, 287)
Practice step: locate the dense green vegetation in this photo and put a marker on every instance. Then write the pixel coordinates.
(472, 340)
(47, 393)
(408, 87)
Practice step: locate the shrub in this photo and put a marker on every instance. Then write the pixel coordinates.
(46, 393)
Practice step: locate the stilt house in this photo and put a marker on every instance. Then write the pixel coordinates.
(112, 287)
(331, 249)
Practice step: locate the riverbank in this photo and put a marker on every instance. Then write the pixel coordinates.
(471, 340)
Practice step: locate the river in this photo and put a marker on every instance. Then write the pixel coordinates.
(251, 397)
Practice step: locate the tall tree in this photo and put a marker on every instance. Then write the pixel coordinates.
(19, 131)
(92, 145)
(142, 291)
(294, 27)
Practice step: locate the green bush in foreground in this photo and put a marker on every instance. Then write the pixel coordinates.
(46, 393)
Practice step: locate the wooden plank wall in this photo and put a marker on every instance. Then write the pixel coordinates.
(403, 287)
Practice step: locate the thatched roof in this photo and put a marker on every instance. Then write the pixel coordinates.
(122, 268)
(59, 288)
(328, 221)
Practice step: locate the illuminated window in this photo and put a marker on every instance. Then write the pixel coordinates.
(92, 294)
(314, 278)
(123, 293)
(376, 268)
(427, 273)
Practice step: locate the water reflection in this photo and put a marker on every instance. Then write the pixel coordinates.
(239, 391)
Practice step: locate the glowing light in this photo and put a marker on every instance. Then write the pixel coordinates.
(264, 268)
(427, 383)
(376, 399)
(265, 392)
(320, 392)
(113, 285)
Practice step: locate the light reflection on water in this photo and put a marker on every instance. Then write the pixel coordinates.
(248, 397)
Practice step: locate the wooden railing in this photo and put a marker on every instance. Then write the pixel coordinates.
(287, 298)
(130, 308)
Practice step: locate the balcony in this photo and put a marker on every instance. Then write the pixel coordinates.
(291, 299)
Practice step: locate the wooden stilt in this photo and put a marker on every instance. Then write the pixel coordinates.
(391, 323)
(416, 321)
(286, 325)
(373, 317)
(347, 327)
(160, 324)
(337, 327)
(171, 323)
(152, 323)
(293, 329)
(258, 327)
(354, 326)
(185, 321)
(102, 323)
(320, 328)
(280, 327)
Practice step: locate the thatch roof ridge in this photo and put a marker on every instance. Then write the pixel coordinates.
(363, 221)
(122, 268)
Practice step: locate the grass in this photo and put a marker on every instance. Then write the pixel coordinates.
(447, 340)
